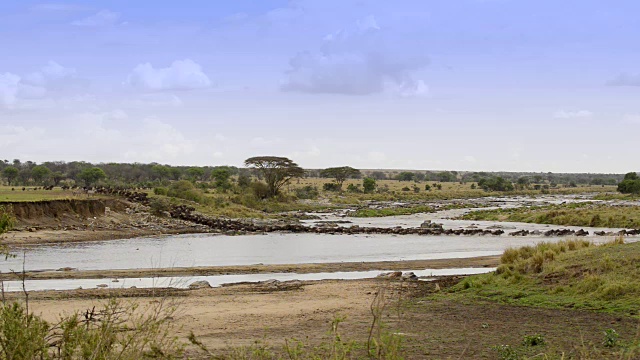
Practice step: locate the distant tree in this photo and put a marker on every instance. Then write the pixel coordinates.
(221, 176)
(10, 173)
(630, 184)
(378, 175)
(57, 176)
(160, 172)
(195, 174)
(524, 180)
(406, 176)
(446, 176)
(90, 176)
(495, 184)
(340, 174)
(40, 174)
(368, 185)
(244, 180)
(276, 171)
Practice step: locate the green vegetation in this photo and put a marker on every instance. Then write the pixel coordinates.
(569, 274)
(576, 214)
(340, 174)
(365, 213)
(495, 184)
(276, 171)
(630, 184)
(116, 331)
(90, 176)
(369, 185)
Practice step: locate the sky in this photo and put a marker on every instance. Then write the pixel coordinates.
(471, 85)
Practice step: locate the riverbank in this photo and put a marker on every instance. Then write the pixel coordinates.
(70, 273)
(228, 318)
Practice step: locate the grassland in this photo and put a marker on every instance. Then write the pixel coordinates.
(570, 274)
(15, 193)
(577, 214)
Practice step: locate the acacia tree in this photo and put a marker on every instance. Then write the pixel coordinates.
(276, 171)
(92, 175)
(40, 174)
(340, 174)
(10, 173)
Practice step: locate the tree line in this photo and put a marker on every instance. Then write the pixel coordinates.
(275, 172)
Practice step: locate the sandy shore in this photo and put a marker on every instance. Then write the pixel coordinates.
(484, 261)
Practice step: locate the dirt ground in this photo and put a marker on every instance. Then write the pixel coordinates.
(431, 327)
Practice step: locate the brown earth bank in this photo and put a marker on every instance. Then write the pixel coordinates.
(431, 327)
(55, 221)
(70, 273)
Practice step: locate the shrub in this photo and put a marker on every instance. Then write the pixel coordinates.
(160, 191)
(610, 338)
(184, 189)
(307, 192)
(533, 340)
(353, 188)
(260, 190)
(159, 206)
(331, 187)
(369, 185)
(117, 331)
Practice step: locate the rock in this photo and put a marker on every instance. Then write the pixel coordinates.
(67, 269)
(409, 276)
(102, 286)
(115, 280)
(202, 284)
(427, 224)
(391, 275)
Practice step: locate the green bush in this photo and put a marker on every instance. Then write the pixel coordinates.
(307, 192)
(331, 187)
(184, 189)
(260, 190)
(160, 191)
(159, 206)
(117, 331)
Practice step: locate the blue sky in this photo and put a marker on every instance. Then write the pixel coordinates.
(466, 85)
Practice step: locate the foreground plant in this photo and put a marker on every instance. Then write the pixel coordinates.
(116, 331)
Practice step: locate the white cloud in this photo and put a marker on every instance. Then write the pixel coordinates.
(260, 142)
(9, 84)
(625, 79)
(48, 81)
(181, 75)
(631, 119)
(101, 18)
(15, 135)
(158, 100)
(357, 62)
(52, 75)
(579, 114)
(56, 7)
(470, 158)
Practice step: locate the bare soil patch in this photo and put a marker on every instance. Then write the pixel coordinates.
(432, 327)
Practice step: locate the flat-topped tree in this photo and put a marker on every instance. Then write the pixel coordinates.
(340, 174)
(276, 171)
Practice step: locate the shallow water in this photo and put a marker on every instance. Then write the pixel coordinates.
(218, 280)
(272, 248)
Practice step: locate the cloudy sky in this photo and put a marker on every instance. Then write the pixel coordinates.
(517, 85)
